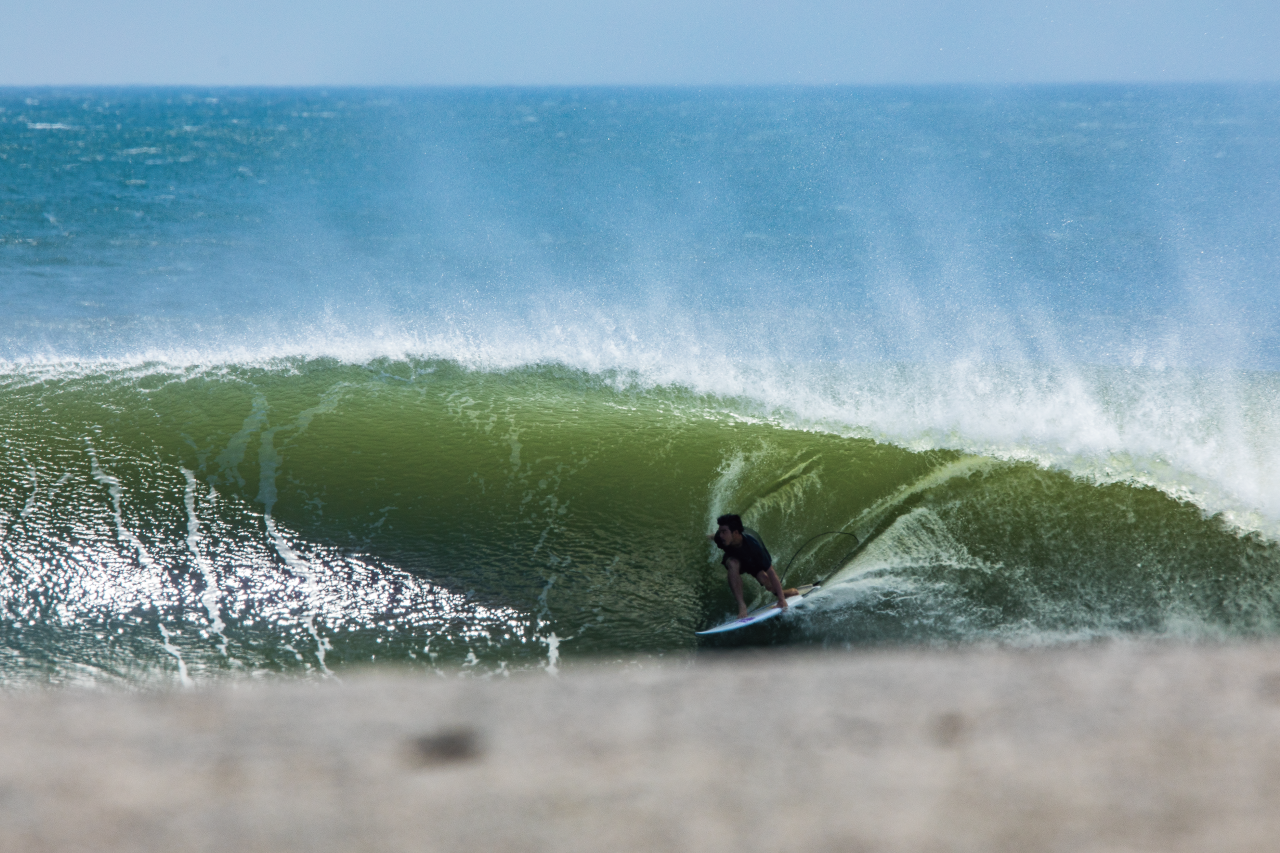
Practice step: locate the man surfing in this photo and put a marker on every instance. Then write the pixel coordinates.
(745, 554)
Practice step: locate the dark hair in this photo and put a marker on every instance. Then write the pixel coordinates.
(733, 522)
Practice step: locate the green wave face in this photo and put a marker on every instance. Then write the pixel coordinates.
(308, 515)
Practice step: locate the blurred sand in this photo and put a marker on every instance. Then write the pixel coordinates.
(1114, 747)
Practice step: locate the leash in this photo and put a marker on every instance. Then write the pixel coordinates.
(811, 539)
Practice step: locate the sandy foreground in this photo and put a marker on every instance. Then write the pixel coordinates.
(1115, 747)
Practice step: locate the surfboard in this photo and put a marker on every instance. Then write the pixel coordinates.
(760, 614)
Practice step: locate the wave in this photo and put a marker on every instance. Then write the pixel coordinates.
(166, 520)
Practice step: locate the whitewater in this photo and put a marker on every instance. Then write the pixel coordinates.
(295, 380)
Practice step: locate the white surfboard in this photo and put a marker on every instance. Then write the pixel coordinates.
(760, 614)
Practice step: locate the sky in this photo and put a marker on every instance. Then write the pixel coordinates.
(663, 42)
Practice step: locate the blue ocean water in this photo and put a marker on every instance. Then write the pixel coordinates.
(297, 379)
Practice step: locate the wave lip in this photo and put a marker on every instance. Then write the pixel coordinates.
(1212, 438)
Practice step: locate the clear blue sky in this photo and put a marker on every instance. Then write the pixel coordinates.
(325, 42)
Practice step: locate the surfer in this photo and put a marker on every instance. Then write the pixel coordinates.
(745, 554)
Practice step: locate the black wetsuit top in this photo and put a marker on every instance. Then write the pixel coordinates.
(752, 556)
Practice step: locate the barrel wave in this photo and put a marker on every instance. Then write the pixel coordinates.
(310, 514)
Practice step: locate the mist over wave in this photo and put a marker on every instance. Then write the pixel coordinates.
(1024, 341)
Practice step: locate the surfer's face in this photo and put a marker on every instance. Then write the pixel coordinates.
(725, 536)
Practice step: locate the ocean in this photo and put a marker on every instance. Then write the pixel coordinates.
(293, 381)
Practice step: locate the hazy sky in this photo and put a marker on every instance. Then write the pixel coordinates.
(285, 42)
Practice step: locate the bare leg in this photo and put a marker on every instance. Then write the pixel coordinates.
(774, 585)
(735, 584)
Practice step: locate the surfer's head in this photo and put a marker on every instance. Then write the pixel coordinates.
(730, 530)
(733, 522)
